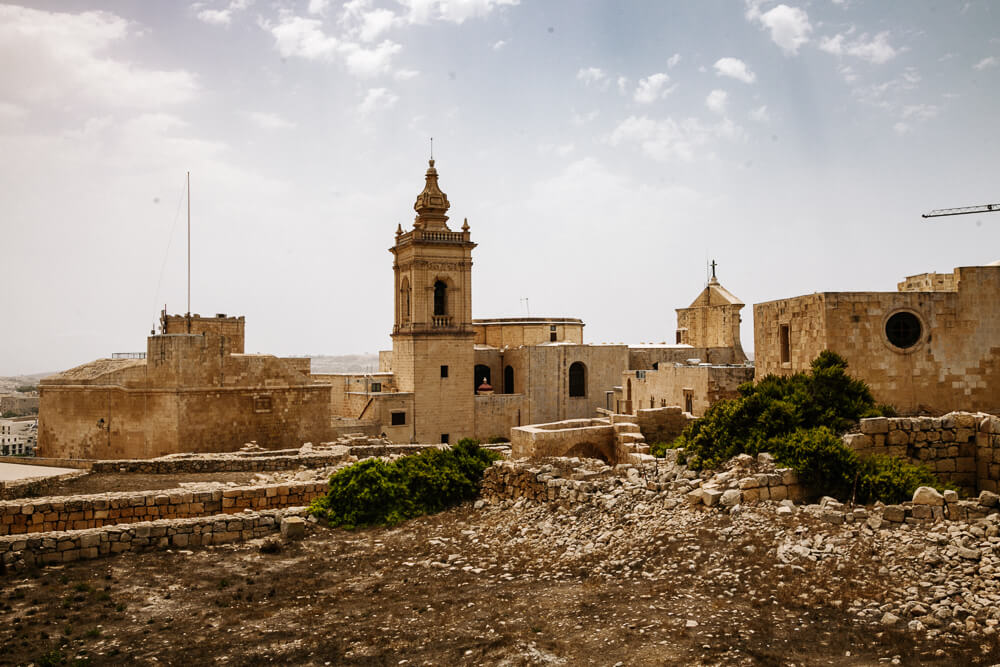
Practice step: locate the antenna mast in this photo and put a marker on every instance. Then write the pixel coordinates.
(189, 245)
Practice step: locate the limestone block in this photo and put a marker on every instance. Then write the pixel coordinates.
(875, 425)
(898, 438)
(778, 492)
(711, 497)
(730, 498)
(293, 527)
(894, 513)
(989, 499)
(857, 441)
(925, 495)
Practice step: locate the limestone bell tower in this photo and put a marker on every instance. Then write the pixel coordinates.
(432, 336)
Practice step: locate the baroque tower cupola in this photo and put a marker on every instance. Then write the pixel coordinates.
(432, 205)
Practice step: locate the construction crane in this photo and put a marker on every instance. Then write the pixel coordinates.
(964, 210)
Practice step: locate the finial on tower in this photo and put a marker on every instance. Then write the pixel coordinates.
(432, 204)
(465, 225)
(714, 279)
(432, 150)
(399, 229)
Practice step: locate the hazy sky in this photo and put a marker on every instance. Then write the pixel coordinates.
(603, 152)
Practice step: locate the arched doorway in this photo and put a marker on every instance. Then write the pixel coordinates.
(577, 379)
(440, 298)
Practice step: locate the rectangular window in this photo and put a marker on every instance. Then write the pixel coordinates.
(783, 343)
(678, 337)
(262, 403)
(552, 336)
(689, 401)
(444, 371)
(398, 418)
(376, 387)
(444, 438)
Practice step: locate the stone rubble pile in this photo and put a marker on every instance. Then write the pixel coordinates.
(929, 566)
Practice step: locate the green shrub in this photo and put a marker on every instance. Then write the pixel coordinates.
(891, 479)
(659, 449)
(375, 492)
(820, 457)
(796, 418)
(777, 406)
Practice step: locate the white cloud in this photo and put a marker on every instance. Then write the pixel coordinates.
(760, 114)
(405, 74)
(499, 44)
(920, 112)
(847, 72)
(269, 121)
(318, 6)
(668, 139)
(215, 16)
(377, 99)
(875, 50)
(580, 120)
(592, 76)
(374, 23)
(563, 150)
(985, 63)
(673, 60)
(295, 36)
(365, 62)
(734, 68)
(716, 101)
(789, 26)
(222, 16)
(622, 84)
(453, 11)
(652, 88)
(57, 57)
(901, 128)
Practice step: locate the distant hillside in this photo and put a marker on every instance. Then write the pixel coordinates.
(346, 363)
(8, 384)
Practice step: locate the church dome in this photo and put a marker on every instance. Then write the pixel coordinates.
(432, 205)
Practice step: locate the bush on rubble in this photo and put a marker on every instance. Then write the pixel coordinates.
(376, 491)
(796, 418)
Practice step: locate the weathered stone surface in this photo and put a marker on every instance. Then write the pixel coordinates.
(925, 495)
(293, 528)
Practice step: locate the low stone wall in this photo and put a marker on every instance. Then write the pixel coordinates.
(35, 486)
(961, 448)
(83, 464)
(574, 437)
(19, 551)
(55, 513)
(221, 463)
(663, 424)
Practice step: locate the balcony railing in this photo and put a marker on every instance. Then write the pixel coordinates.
(441, 321)
(128, 355)
(424, 235)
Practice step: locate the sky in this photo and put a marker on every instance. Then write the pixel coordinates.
(603, 153)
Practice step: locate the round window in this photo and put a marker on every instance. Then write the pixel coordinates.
(903, 330)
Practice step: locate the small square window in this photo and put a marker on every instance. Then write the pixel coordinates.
(376, 387)
(398, 418)
(444, 371)
(444, 438)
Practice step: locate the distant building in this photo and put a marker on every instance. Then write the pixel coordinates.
(931, 346)
(18, 437)
(19, 404)
(193, 390)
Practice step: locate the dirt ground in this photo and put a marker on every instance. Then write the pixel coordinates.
(105, 482)
(450, 589)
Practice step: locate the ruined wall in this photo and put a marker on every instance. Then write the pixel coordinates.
(955, 364)
(960, 448)
(61, 547)
(37, 515)
(662, 424)
(587, 438)
(645, 358)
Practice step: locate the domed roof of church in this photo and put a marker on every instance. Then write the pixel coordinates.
(432, 204)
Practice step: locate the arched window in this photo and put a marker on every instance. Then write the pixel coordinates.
(577, 379)
(508, 379)
(440, 298)
(481, 374)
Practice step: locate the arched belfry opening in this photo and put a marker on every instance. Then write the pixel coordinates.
(440, 298)
(482, 374)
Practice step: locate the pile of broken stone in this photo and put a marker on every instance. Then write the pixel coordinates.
(934, 558)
